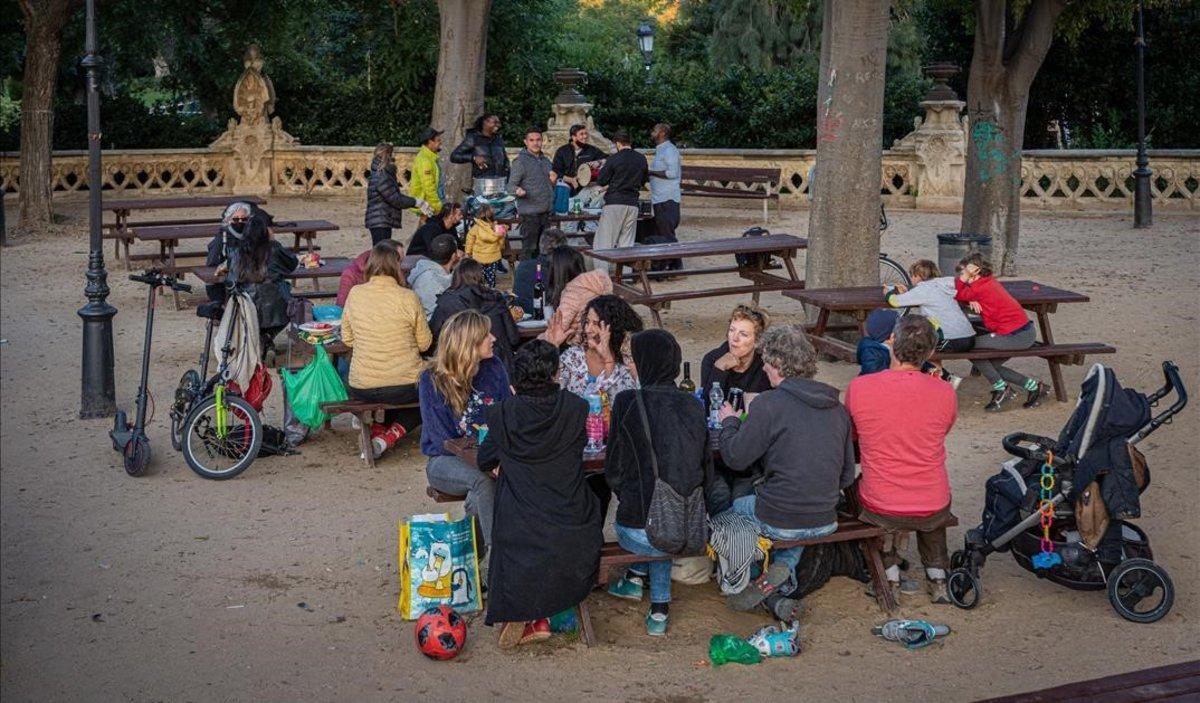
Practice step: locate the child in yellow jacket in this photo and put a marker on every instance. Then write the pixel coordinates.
(485, 243)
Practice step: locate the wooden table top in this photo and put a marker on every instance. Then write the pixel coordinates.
(208, 230)
(871, 297)
(569, 217)
(766, 244)
(333, 268)
(178, 203)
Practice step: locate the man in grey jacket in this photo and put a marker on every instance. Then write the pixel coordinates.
(529, 180)
(802, 435)
(431, 276)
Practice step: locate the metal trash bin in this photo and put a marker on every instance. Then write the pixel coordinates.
(953, 246)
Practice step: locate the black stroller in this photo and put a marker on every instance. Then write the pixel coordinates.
(1061, 506)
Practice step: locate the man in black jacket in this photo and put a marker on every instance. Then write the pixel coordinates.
(802, 435)
(624, 174)
(483, 148)
(570, 156)
(443, 222)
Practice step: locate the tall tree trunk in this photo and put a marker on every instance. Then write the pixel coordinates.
(43, 30)
(458, 96)
(843, 224)
(1005, 60)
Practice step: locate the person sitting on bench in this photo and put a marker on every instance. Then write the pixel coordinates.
(469, 291)
(902, 417)
(385, 326)
(544, 560)
(465, 379)
(569, 288)
(801, 433)
(678, 438)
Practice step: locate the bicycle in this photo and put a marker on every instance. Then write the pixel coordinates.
(891, 273)
(211, 422)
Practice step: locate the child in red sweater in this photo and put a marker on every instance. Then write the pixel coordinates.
(1008, 328)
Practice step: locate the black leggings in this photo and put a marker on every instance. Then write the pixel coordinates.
(409, 418)
(962, 344)
(378, 234)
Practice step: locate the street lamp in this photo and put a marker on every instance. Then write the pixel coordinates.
(1143, 213)
(645, 37)
(99, 395)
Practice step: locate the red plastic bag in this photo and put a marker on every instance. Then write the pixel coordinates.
(259, 388)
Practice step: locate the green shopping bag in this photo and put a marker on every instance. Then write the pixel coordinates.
(316, 383)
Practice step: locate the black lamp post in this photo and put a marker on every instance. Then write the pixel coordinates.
(645, 37)
(99, 395)
(1143, 213)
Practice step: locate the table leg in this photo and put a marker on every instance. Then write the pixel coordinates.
(1056, 377)
(585, 625)
(119, 230)
(641, 269)
(790, 263)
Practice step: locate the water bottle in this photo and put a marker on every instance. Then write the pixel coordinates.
(715, 399)
(594, 425)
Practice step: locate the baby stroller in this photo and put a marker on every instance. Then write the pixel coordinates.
(1061, 506)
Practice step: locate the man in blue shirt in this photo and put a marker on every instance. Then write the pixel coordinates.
(665, 175)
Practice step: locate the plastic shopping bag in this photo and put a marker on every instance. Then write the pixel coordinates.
(439, 565)
(316, 383)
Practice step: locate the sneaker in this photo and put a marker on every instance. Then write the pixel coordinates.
(938, 594)
(785, 609)
(656, 624)
(999, 399)
(625, 588)
(777, 641)
(1033, 397)
(511, 634)
(386, 439)
(535, 631)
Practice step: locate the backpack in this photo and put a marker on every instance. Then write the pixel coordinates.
(754, 260)
(675, 524)
(274, 442)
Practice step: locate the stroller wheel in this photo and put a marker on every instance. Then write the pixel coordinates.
(964, 588)
(1140, 590)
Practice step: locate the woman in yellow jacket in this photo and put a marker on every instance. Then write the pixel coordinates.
(384, 323)
(485, 243)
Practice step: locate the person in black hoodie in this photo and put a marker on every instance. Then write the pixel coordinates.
(547, 529)
(802, 436)
(679, 439)
(468, 291)
(483, 148)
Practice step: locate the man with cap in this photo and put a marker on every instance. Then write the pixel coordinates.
(426, 179)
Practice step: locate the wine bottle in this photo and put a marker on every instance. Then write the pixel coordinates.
(687, 384)
(539, 295)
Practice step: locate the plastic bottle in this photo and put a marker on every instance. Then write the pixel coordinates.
(594, 425)
(715, 399)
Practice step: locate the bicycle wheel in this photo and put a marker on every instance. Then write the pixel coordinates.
(892, 273)
(221, 455)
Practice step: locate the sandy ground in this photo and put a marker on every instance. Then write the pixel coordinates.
(172, 587)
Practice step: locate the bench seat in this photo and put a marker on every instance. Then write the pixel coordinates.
(364, 410)
(1069, 353)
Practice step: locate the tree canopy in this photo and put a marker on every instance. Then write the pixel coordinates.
(726, 73)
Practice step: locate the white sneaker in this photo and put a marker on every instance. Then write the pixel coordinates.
(354, 421)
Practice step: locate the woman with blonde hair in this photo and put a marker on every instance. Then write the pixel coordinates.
(466, 378)
(384, 323)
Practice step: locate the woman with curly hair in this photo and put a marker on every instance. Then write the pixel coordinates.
(600, 361)
(465, 379)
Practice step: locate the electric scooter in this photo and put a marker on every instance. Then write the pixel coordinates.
(129, 439)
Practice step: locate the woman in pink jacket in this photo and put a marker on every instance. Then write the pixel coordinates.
(570, 288)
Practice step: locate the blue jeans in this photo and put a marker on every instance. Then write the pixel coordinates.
(634, 539)
(789, 557)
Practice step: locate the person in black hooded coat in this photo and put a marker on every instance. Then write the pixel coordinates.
(469, 291)
(547, 529)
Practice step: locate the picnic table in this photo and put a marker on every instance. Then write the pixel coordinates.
(332, 268)
(467, 449)
(169, 237)
(121, 209)
(1040, 299)
(759, 251)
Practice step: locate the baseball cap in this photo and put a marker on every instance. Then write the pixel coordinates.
(427, 134)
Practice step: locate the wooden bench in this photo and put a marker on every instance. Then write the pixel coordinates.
(119, 231)
(718, 182)
(365, 412)
(1175, 682)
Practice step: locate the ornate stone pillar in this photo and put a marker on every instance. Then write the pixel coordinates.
(251, 138)
(570, 107)
(938, 143)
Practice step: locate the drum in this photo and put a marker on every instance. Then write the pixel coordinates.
(583, 175)
(488, 187)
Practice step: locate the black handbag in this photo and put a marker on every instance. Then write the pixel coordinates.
(675, 524)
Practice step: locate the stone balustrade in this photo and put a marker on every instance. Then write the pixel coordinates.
(1051, 179)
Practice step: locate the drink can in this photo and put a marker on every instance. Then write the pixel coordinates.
(737, 399)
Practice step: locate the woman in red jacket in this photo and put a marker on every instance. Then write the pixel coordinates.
(1008, 328)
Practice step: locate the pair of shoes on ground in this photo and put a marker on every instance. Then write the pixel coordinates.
(913, 634)
(629, 587)
(1002, 396)
(384, 437)
(513, 634)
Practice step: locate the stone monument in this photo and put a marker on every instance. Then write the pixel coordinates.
(570, 107)
(939, 142)
(254, 135)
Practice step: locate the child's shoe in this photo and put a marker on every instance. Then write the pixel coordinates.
(1033, 396)
(656, 624)
(535, 631)
(626, 588)
(1000, 398)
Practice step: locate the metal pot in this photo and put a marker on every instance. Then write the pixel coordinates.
(488, 187)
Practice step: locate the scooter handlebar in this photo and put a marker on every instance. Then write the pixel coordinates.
(156, 278)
